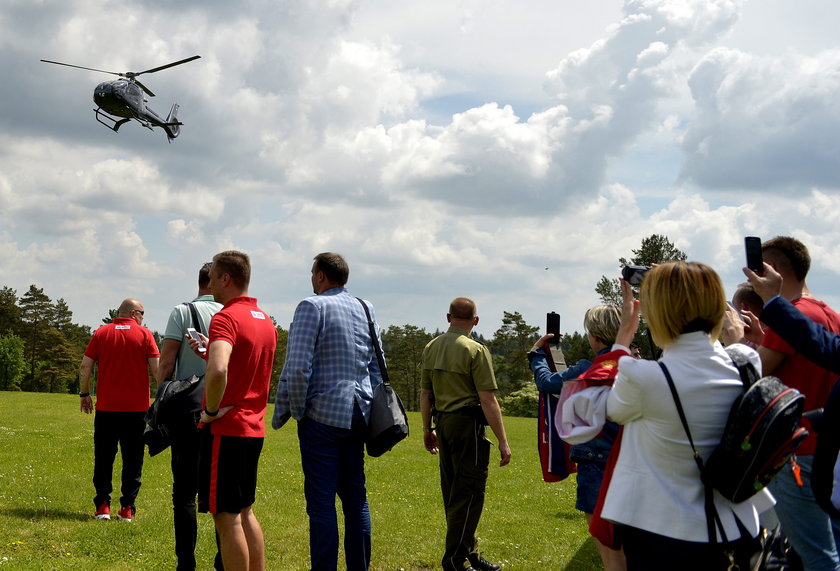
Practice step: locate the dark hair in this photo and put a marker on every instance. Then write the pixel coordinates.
(235, 264)
(333, 266)
(788, 254)
(204, 275)
(746, 296)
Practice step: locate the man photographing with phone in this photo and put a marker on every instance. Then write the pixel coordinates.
(813, 533)
(178, 361)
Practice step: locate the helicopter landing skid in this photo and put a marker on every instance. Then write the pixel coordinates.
(109, 121)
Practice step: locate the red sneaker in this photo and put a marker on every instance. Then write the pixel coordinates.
(125, 513)
(104, 511)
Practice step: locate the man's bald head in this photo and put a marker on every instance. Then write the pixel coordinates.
(127, 305)
(462, 309)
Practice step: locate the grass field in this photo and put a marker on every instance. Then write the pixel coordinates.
(46, 464)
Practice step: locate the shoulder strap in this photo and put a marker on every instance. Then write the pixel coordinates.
(197, 325)
(712, 516)
(745, 369)
(195, 319)
(375, 340)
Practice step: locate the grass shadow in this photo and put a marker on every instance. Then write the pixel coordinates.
(584, 555)
(33, 514)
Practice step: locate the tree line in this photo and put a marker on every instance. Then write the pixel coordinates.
(41, 347)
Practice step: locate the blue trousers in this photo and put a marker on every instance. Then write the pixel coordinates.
(333, 461)
(813, 533)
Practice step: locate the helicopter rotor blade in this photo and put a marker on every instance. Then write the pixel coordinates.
(144, 88)
(173, 64)
(81, 67)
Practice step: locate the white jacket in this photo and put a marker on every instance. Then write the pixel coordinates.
(656, 484)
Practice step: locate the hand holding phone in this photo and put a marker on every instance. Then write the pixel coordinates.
(194, 335)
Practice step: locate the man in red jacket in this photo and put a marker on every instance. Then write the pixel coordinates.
(125, 352)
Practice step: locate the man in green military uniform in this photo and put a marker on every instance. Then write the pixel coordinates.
(458, 382)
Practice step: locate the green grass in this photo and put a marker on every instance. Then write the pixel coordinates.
(46, 464)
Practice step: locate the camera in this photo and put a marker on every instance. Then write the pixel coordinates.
(634, 274)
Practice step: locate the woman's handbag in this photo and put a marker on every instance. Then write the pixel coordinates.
(388, 423)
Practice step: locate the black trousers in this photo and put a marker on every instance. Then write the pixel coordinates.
(646, 551)
(123, 430)
(184, 437)
(464, 458)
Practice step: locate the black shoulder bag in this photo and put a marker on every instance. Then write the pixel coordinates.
(388, 422)
(174, 400)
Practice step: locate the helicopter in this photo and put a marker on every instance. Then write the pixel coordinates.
(124, 98)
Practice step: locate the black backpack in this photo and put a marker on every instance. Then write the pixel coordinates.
(761, 434)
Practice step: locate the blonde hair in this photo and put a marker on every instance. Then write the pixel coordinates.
(602, 322)
(681, 297)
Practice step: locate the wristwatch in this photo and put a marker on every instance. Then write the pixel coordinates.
(83, 395)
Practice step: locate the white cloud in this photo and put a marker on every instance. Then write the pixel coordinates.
(459, 151)
(766, 123)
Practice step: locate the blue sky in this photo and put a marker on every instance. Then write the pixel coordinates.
(445, 148)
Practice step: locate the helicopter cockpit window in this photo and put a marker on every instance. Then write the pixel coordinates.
(133, 93)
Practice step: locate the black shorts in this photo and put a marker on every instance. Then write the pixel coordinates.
(227, 472)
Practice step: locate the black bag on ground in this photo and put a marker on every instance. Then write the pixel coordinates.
(761, 434)
(388, 422)
(776, 553)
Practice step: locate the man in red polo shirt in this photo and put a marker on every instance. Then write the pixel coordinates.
(125, 351)
(240, 355)
(814, 534)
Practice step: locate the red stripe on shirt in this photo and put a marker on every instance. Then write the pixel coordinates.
(214, 473)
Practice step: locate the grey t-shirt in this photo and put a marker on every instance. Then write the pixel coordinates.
(179, 320)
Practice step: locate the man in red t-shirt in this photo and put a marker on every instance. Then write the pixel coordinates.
(814, 534)
(124, 351)
(240, 355)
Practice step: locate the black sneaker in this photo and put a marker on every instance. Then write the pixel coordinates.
(479, 563)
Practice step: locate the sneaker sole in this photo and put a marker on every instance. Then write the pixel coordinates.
(106, 517)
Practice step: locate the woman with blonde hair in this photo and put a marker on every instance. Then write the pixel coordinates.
(655, 491)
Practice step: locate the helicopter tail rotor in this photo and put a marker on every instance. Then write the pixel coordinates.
(172, 125)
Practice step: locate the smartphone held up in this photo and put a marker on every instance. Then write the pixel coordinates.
(552, 325)
(634, 274)
(755, 261)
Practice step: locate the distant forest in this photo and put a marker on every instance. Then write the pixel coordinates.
(41, 349)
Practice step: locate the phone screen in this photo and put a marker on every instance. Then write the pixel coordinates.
(552, 325)
(755, 261)
(194, 334)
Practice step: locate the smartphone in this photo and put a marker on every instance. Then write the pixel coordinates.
(634, 274)
(552, 325)
(194, 334)
(738, 311)
(755, 262)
